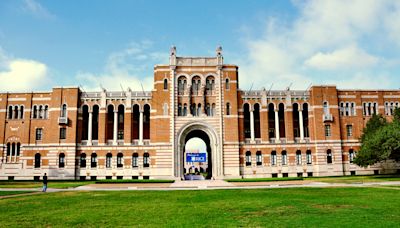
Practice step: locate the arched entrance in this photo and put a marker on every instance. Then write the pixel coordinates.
(208, 135)
(197, 142)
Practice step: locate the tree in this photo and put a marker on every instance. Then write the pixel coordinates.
(380, 141)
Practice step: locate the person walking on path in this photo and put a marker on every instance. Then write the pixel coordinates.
(44, 183)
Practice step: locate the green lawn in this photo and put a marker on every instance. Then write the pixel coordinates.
(356, 179)
(311, 207)
(6, 193)
(55, 184)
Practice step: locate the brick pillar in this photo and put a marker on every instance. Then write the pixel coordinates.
(128, 126)
(264, 124)
(102, 125)
(289, 125)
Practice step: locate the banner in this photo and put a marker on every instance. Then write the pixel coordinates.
(196, 157)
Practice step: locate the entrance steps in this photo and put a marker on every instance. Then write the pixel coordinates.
(200, 184)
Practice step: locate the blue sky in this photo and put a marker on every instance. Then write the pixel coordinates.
(353, 44)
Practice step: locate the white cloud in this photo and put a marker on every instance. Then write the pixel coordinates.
(343, 37)
(131, 67)
(345, 58)
(36, 9)
(22, 75)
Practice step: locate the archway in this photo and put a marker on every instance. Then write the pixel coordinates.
(197, 142)
(208, 135)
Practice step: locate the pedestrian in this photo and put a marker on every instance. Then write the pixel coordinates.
(44, 182)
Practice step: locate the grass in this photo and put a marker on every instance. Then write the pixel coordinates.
(304, 207)
(37, 184)
(356, 179)
(265, 179)
(133, 181)
(7, 193)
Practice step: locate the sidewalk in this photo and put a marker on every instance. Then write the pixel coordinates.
(210, 185)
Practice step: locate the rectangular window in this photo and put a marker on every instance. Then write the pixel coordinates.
(298, 158)
(327, 130)
(39, 133)
(259, 158)
(108, 162)
(349, 129)
(351, 156)
(63, 133)
(284, 158)
(273, 159)
(309, 157)
(134, 161)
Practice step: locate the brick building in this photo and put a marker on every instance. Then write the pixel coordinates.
(72, 134)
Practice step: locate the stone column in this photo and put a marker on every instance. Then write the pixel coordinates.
(89, 142)
(301, 125)
(252, 126)
(115, 131)
(141, 128)
(277, 137)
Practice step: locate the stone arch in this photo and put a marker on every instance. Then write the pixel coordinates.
(215, 148)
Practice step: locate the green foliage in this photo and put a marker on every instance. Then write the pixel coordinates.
(380, 141)
(265, 179)
(133, 181)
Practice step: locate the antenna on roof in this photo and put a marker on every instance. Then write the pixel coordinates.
(290, 85)
(122, 88)
(309, 86)
(251, 87)
(102, 88)
(142, 87)
(270, 88)
(81, 87)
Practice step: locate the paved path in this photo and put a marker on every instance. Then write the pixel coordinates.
(207, 185)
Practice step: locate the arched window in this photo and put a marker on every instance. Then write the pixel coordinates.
(246, 119)
(37, 160)
(64, 110)
(227, 86)
(329, 156)
(85, 122)
(181, 85)
(135, 160)
(298, 157)
(198, 109)
(281, 114)
(184, 110)
(21, 112)
(46, 111)
(34, 112)
(257, 123)
(228, 109)
(61, 160)
(326, 107)
(165, 84)
(208, 109)
(41, 112)
(121, 120)
(271, 121)
(213, 109)
(16, 112)
(8, 158)
(258, 158)
(108, 160)
(95, 123)
(120, 162)
(308, 157)
(210, 85)
(146, 160)
(146, 121)
(18, 149)
(93, 160)
(10, 112)
(248, 158)
(273, 158)
(351, 155)
(284, 157)
(180, 110)
(196, 82)
(305, 120)
(83, 160)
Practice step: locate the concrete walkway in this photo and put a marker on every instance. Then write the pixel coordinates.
(207, 185)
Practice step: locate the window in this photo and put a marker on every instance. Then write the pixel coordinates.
(248, 158)
(10, 112)
(227, 86)
(120, 160)
(327, 130)
(135, 160)
(165, 84)
(351, 155)
(298, 157)
(108, 160)
(64, 110)
(284, 158)
(61, 160)
(180, 110)
(326, 107)
(184, 113)
(273, 158)
(21, 112)
(146, 160)
(93, 160)
(228, 109)
(39, 133)
(63, 133)
(259, 158)
(37, 160)
(349, 129)
(309, 157)
(181, 85)
(329, 156)
(83, 160)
